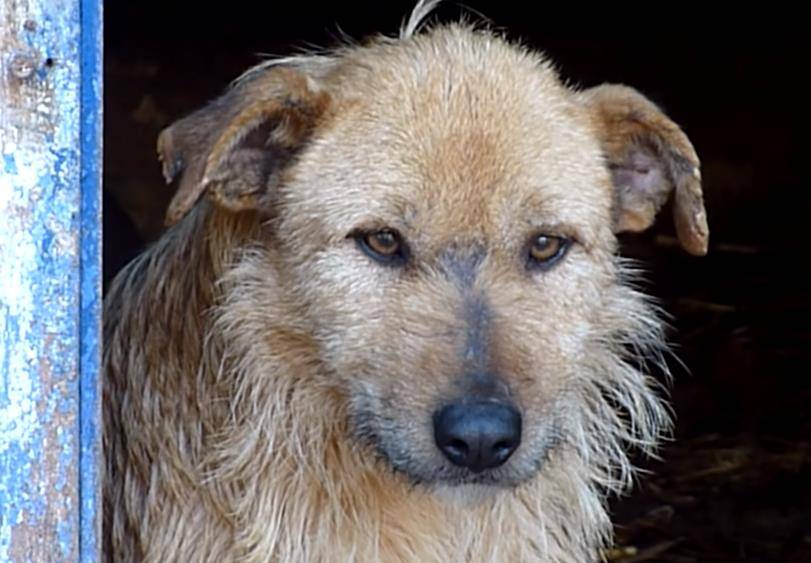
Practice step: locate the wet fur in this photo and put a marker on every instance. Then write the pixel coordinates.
(230, 436)
(228, 486)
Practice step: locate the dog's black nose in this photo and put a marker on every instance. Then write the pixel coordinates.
(477, 435)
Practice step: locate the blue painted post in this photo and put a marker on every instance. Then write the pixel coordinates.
(50, 165)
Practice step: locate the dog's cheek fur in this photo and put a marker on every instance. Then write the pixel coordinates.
(396, 355)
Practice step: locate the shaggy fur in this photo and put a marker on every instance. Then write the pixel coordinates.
(269, 387)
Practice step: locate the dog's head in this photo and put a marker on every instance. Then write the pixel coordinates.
(446, 211)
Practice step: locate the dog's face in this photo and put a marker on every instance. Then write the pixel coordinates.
(446, 212)
(454, 240)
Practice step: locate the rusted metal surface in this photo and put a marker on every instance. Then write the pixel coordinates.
(49, 229)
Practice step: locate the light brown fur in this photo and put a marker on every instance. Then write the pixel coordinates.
(265, 377)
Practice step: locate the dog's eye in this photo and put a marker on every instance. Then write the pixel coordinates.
(385, 246)
(545, 250)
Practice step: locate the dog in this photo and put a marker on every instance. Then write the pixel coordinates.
(389, 321)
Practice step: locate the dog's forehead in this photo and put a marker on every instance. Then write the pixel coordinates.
(454, 125)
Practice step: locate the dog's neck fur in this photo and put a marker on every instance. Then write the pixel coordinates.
(265, 430)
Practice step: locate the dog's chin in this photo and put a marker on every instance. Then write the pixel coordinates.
(449, 478)
(443, 476)
(467, 495)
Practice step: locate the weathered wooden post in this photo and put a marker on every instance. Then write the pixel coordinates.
(50, 171)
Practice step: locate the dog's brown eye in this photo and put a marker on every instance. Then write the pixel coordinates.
(384, 245)
(383, 242)
(545, 250)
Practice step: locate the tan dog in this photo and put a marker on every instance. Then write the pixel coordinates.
(390, 322)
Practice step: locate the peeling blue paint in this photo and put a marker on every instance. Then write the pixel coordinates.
(9, 165)
(90, 458)
(50, 156)
(64, 532)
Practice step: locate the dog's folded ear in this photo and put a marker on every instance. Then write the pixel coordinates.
(649, 157)
(235, 149)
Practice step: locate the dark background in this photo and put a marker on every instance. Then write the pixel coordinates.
(735, 484)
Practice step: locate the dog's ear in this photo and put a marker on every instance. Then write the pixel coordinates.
(649, 157)
(236, 148)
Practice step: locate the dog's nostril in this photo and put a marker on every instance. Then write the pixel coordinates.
(502, 446)
(456, 451)
(479, 435)
(457, 447)
(502, 450)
